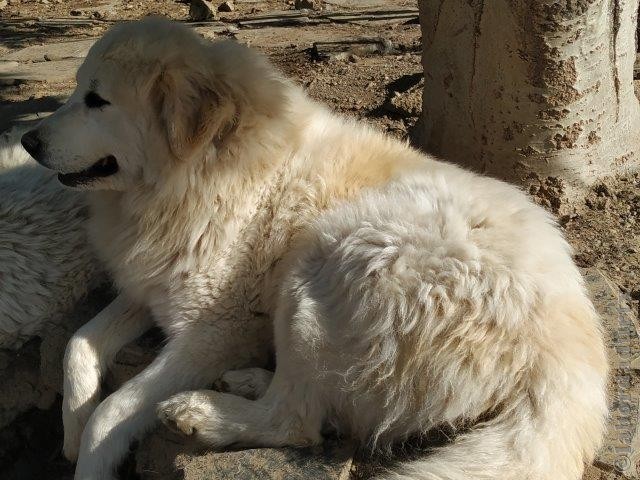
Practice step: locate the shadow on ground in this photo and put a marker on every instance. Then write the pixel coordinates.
(26, 112)
(23, 32)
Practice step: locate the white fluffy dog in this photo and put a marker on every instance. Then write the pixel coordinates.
(406, 293)
(46, 266)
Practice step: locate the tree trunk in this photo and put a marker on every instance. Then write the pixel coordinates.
(525, 88)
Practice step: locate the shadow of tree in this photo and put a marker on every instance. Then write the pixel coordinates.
(401, 84)
(21, 32)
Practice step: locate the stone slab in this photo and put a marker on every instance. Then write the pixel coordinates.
(331, 461)
(167, 456)
(278, 21)
(304, 37)
(129, 362)
(360, 3)
(50, 51)
(344, 48)
(58, 71)
(621, 450)
(399, 15)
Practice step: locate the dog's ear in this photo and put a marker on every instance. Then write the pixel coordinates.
(193, 109)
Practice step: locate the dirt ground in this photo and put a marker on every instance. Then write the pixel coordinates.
(603, 228)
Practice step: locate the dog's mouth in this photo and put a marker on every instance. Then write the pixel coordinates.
(102, 168)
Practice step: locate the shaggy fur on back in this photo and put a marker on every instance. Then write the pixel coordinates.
(401, 293)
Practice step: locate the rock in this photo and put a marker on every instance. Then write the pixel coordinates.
(308, 5)
(200, 10)
(212, 31)
(277, 19)
(167, 456)
(593, 473)
(344, 49)
(3, 4)
(76, 13)
(621, 450)
(131, 360)
(226, 7)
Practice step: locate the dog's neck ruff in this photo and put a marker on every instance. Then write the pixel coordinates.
(194, 219)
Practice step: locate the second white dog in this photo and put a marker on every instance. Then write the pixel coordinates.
(46, 265)
(406, 293)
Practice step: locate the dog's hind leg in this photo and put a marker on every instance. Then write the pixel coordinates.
(288, 414)
(89, 352)
(251, 383)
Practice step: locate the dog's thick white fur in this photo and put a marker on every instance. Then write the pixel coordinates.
(46, 266)
(406, 293)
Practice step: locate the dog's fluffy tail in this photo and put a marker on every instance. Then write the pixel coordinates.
(551, 429)
(501, 451)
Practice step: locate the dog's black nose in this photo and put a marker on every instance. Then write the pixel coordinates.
(32, 144)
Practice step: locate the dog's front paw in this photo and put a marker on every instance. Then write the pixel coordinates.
(186, 412)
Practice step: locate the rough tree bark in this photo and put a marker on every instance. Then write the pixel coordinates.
(519, 88)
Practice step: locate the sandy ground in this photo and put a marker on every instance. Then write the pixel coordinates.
(603, 228)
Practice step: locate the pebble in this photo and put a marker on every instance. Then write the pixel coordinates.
(307, 5)
(200, 10)
(226, 7)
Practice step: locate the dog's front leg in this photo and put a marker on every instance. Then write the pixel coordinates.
(191, 360)
(90, 350)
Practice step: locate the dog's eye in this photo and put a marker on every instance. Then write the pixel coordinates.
(93, 100)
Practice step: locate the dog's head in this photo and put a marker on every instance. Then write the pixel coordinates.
(151, 95)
